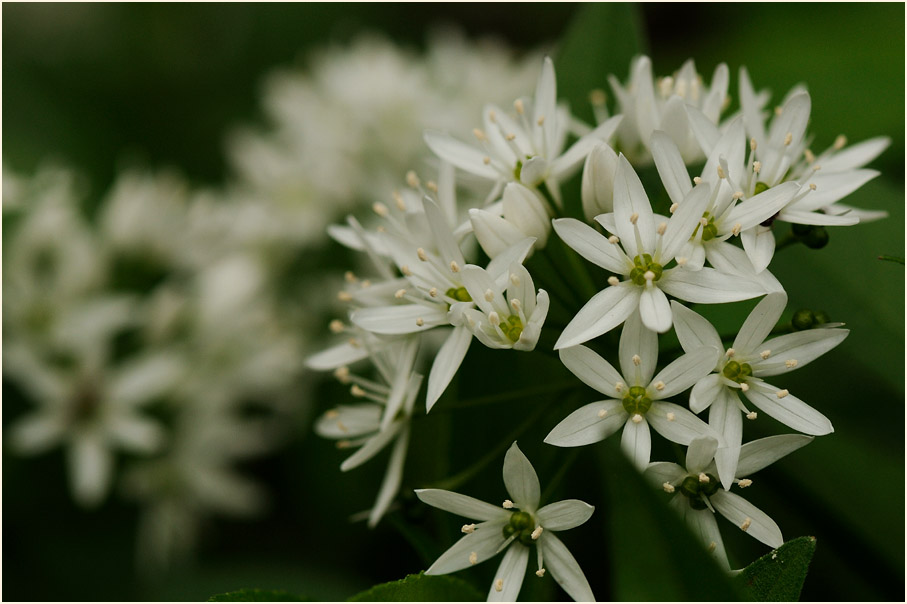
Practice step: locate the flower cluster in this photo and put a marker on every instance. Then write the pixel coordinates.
(711, 243)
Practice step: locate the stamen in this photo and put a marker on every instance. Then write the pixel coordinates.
(744, 482)
(405, 270)
(619, 386)
(704, 221)
(668, 487)
(788, 139)
(454, 267)
(514, 278)
(479, 134)
(736, 230)
(412, 180)
(350, 277)
(380, 209)
(782, 393)
(703, 478)
(398, 200)
(613, 239)
(422, 255)
(332, 414)
(508, 505)
(468, 528)
(516, 304)
(486, 160)
(433, 292)
(494, 318)
(540, 572)
(344, 444)
(730, 352)
(840, 142)
(752, 144)
(721, 173)
(681, 260)
(659, 385)
(612, 280)
(790, 363)
(673, 207)
(342, 374)
(737, 195)
(536, 533)
(765, 354)
(752, 415)
(746, 524)
(492, 116)
(662, 227)
(357, 391)
(598, 97)
(541, 120)
(355, 343)
(420, 321)
(712, 546)
(489, 295)
(649, 276)
(779, 110)
(810, 156)
(633, 218)
(344, 296)
(518, 105)
(697, 180)
(399, 293)
(757, 166)
(637, 360)
(365, 284)
(473, 557)
(602, 412)
(812, 186)
(744, 387)
(336, 326)
(510, 137)
(670, 416)
(636, 418)
(499, 585)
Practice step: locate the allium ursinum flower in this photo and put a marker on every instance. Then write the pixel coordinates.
(698, 494)
(727, 213)
(516, 526)
(649, 105)
(373, 426)
(742, 367)
(521, 213)
(598, 181)
(528, 149)
(643, 254)
(636, 398)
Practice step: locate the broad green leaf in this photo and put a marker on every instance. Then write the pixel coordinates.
(421, 588)
(654, 557)
(257, 595)
(779, 576)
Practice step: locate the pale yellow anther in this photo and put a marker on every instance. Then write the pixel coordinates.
(342, 374)
(816, 168)
(492, 116)
(636, 418)
(473, 557)
(412, 179)
(357, 391)
(488, 295)
(344, 296)
(730, 353)
(765, 354)
(420, 321)
(355, 343)
(712, 546)
(336, 326)
(757, 166)
(344, 444)
(380, 228)
(349, 276)
(507, 505)
(634, 217)
(510, 136)
(365, 284)
(788, 139)
(745, 387)
(779, 110)
(619, 386)
(541, 120)
(649, 276)
(790, 363)
(659, 385)
(422, 255)
(782, 393)
(540, 572)
(479, 134)
(405, 270)
(433, 292)
(721, 173)
(380, 209)
(737, 195)
(752, 415)
(536, 533)
(499, 585)
(744, 482)
(454, 267)
(637, 360)
(662, 227)
(614, 239)
(681, 260)
(736, 230)
(810, 156)
(598, 97)
(840, 142)
(602, 412)
(399, 293)
(516, 304)
(468, 528)
(518, 105)
(612, 281)
(494, 318)
(514, 278)
(486, 160)
(398, 201)
(746, 524)
(697, 180)
(668, 487)
(704, 221)
(432, 186)
(332, 414)
(673, 207)
(670, 416)
(703, 478)
(812, 186)
(752, 144)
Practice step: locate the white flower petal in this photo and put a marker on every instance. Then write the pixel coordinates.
(759, 208)
(402, 319)
(349, 421)
(693, 330)
(521, 480)
(654, 309)
(510, 573)
(740, 511)
(832, 187)
(593, 370)
(682, 224)
(534, 171)
(443, 236)
(802, 347)
(564, 568)
(588, 425)
(760, 323)
(685, 371)
(446, 364)
(526, 210)
(725, 418)
(637, 340)
(705, 131)
(564, 515)
(660, 472)
(597, 190)
(459, 154)
(714, 102)
(730, 259)
(855, 156)
(630, 199)
(818, 218)
(700, 453)
(36, 433)
(752, 108)
(683, 426)
(636, 442)
(90, 469)
(337, 356)
(463, 505)
(708, 286)
(671, 169)
(603, 312)
(494, 233)
(392, 479)
(137, 434)
(591, 245)
(144, 379)
(705, 392)
(729, 153)
(759, 244)
(371, 447)
(485, 542)
(563, 166)
(763, 452)
(499, 266)
(703, 525)
(792, 121)
(789, 410)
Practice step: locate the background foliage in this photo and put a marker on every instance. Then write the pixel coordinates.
(100, 86)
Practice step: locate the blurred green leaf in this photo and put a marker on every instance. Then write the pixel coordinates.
(654, 556)
(421, 588)
(779, 576)
(256, 595)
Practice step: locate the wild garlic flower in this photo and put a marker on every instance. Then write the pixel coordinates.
(521, 213)
(649, 105)
(742, 367)
(648, 257)
(528, 149)
(516, 526)
(697, 493)
(636, 399)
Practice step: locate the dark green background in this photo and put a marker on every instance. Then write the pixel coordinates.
(100, 86)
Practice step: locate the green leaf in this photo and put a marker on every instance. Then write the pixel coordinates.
(421, 588)
(654, 557)
(257, 595)
(779, 576)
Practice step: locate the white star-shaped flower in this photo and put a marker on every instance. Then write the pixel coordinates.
(636, 398)
(516, 526)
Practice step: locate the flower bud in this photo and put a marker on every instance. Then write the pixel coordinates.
(598, 181)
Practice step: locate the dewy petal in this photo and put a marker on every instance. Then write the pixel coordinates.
(655, 309)
(593, 370)
(684, 372)
(463, 505)
(671, 169)
(521, 480)
(789, 410)
(636, 442)
(591, 245)
(760, 323)
(725, 418)
(705, 392)
(392, 478)
(738, 510)
(802, 346)
(763, 452)
(759, 244)
(682, 224)
(637, 340)
(485, 542)
(603, 312)
(693, 330)
(703, 525)
(708, 286)
(700, 453)
(446, 364)
(630, 198)
(459, 154)
(402, 319)
(564, 515)
(587, 425)
(564, 568)
(510, 574)
(759, 208)
(682, 428)
(855, 156)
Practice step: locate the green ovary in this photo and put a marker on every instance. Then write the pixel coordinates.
(709, 230)
(643, 264)
(512, 328)
(692, 487)
(637, 401)
(521, 524)
(760, 187)
(459, 293)
(739, 372)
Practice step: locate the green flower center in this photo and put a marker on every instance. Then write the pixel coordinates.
(459, 293)
(637, 401)
(512, 328)
(521, 524)
(709, 230)
(518, 169)
(760, 187)
(738, 372)
(642, 265)
(692, 487)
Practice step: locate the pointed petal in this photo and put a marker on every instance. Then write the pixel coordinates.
(703, 525)
(349, 421)
(705, 392)
(636, 442)
(725, 419)
(802, 347)
(460, 154)
(655, 309)
(637, 340)
(485, 542)
(526, 211)
(136, 433)
(521, 480)
(495, 234)
(789, 410)
(545, 102)
(588, 425)
(743, 513)
(760, 323)
(90, 469)
(855, 156)
(705, 131)
(563, 167)
(685, 371)
(463, 505)
(591, 245)
(593, 370)
(749, 103)
(818, 218)
(392, 479)
(510, 573)
(683, 426)
(371, 447)
(441, 231)
(336, 356)
(564, 515)
(603, 312)
(759, 244)
(730, 259)
(598, 181)
(564, 568)
(682, 224)
(671, 169)
(629, 199)
(36, 433)
(660, 472)
(447, 363)
(395, 320)
(759, 208)
(700, 453)
(693, 330)
(144, 379)
(763, 452)
(708, 286)
(792, 121)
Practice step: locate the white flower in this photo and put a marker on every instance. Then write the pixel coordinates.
(598, 181)
(636, 398)
(640, 249)
(523, 213)
(528, 149)
(697, 493)
(648, 105)
(742, 368)
(516, 526)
